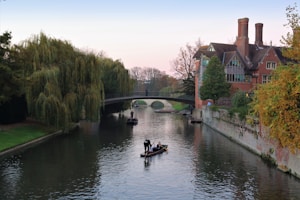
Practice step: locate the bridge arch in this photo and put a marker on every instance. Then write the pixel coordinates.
(186, 100)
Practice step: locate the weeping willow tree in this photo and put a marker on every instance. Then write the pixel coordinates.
(117, 82)
(61, 81)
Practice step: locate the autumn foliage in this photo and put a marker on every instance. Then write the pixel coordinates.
(277, 103)
(278, 106)
(292, 40)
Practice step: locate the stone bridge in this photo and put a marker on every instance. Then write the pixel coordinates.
(183, 98)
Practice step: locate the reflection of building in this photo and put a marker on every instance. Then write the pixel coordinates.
(245, 64)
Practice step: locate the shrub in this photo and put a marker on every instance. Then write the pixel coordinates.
(240, 99)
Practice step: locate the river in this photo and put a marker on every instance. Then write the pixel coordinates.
(102, 161)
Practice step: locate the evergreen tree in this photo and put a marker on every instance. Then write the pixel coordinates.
(214, 83)
(10, 74)
(12, 99)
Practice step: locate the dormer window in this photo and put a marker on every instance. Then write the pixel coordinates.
(235, 62)
(271, 65)
(210, 48)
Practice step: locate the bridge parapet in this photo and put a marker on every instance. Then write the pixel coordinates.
(142, 93)
(117, 98)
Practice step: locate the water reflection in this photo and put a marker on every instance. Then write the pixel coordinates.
(225, 170)
(102, 161)
(11, 173)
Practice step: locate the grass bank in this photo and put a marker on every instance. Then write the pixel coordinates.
(14, 136)
(179, 106)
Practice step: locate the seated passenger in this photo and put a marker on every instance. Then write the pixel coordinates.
(153, 148)
(158, 145)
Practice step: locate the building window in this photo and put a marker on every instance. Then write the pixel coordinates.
(271, 65)
(204, 62)
(235, 62)
(266, 79)
(248, 78)
(234, 71)
(235, 77)
(210, 48)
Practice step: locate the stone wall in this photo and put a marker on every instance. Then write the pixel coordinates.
(254, 137)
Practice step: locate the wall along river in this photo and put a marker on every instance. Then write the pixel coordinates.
(102, 161)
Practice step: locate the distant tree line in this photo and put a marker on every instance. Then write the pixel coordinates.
(153, 82)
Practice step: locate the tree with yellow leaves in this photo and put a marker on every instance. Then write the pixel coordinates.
(277, 103)
(278, 106)
(292, 40)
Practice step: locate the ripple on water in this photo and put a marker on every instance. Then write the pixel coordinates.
(105, 163)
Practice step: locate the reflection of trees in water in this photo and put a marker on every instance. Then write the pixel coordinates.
(225, 165)
(64, 162)
(114, 130)
(221, 168)
(98, 156)
(10, 174)
(69, 166)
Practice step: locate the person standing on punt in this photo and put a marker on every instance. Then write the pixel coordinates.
(131, 114)
(147, 145)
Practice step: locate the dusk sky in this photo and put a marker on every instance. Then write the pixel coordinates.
(142, 33)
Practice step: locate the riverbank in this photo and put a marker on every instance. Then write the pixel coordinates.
(253, 137)
(16, 138)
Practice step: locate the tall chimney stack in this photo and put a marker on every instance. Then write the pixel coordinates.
(242, 40)
(259, 34)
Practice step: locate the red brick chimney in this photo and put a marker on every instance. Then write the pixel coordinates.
(242, 40)
(259, 34)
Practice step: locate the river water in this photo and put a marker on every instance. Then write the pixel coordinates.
(102, 161)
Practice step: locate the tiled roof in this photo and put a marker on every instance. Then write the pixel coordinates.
(228, 56)
(225, 52)
(204, 52)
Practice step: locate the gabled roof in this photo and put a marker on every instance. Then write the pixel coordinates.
(221, 48)
(204, 52)
(228, 56)
(225, 52)
(256, 54)
(282, 59)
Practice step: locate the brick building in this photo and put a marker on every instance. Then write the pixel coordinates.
(245, 65)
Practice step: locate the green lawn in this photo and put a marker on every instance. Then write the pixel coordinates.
(179, 106)
(19, 135)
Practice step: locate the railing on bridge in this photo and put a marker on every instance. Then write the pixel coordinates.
(112, 98)
(152, 94)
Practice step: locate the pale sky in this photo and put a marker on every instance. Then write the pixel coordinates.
(142, 33)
